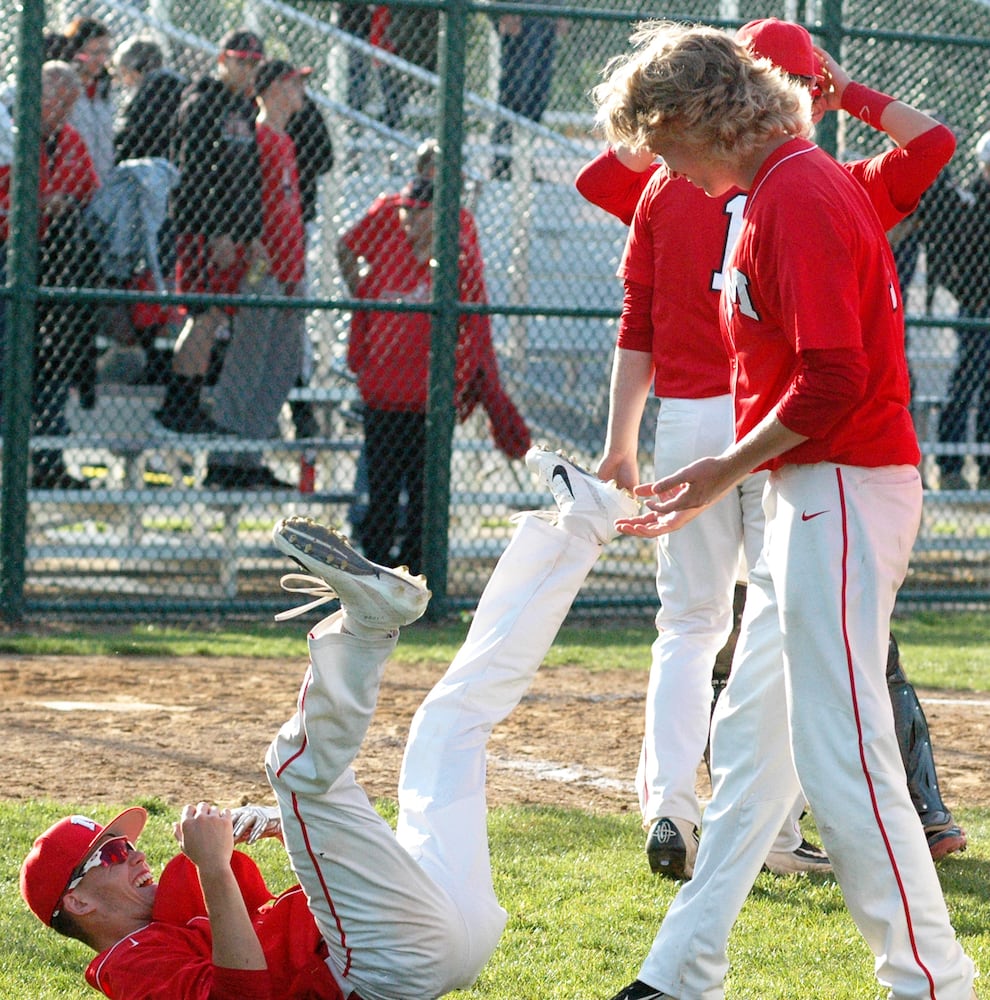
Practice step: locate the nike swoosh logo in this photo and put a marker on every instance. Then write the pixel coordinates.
(805, 516)
(559, 470)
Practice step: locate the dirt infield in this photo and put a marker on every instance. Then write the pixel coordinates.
(110, 729)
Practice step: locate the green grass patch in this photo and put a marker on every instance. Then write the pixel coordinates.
(583, 910)
(939, 650)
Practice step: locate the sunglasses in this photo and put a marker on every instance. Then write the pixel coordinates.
(113, 852)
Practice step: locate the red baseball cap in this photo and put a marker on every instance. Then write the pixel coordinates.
(63, 848)
(787, 45)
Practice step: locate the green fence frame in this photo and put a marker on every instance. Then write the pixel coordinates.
(23, 292)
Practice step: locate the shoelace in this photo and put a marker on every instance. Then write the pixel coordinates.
(300, 583)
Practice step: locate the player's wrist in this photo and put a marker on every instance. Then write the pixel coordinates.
(865, 103)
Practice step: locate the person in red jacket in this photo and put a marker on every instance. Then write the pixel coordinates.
(65, 331)
(387, 256)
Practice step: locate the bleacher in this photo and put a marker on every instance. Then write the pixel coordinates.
(147, 516)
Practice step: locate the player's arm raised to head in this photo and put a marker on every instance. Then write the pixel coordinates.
(615, 179)
(894, 180)
(899, 120)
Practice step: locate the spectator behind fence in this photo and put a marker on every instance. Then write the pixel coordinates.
(969, 384)
(64, 331)
(359, 20)
(528, 48)
(387, 256)
(153, 91)
(411, 33)
(264, 358)
(88, 46)
(932, 227)
(314, 156)
(217, 215)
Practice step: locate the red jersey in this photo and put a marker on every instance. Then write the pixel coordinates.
(678, 246)
(679, 240)
(283, 233)
(611, 185)
(813, 272)
(171, 957)
(65, 168)
(390, 352)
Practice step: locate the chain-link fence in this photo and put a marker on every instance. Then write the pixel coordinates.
(250, 172)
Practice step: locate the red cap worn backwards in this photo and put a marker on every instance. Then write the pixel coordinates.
(63, 848)
(787, 45)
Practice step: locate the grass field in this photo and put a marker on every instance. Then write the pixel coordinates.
(583, 908)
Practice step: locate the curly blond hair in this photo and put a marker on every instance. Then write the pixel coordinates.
(694, 84)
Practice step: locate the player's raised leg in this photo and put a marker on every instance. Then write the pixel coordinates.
(442, 803)
(391, 931)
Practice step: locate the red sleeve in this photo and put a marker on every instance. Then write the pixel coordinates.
(612, 186)
(896, 180)
(357, 343)
(471, 276)
(827, 384)
(367, 232)
(74, 173)
(475, 352)
(162, 962)
(635, 323)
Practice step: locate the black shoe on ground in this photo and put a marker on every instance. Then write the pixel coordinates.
(671, 847)
(640, 991)
(233, 477)
(947, 838)
(806, 857)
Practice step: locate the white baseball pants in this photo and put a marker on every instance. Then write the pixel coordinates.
(697, 569)
(838, 543)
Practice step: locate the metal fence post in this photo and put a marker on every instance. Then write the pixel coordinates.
(443, 343)
(22, 278)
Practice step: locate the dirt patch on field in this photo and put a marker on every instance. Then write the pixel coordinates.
(110, 729)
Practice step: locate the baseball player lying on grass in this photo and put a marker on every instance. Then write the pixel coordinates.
(377, 915)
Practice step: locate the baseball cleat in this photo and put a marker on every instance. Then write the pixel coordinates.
(640, 991)
(671, 847)
(803, 859)
(370, 594)
(580, 495)
(945, 839)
